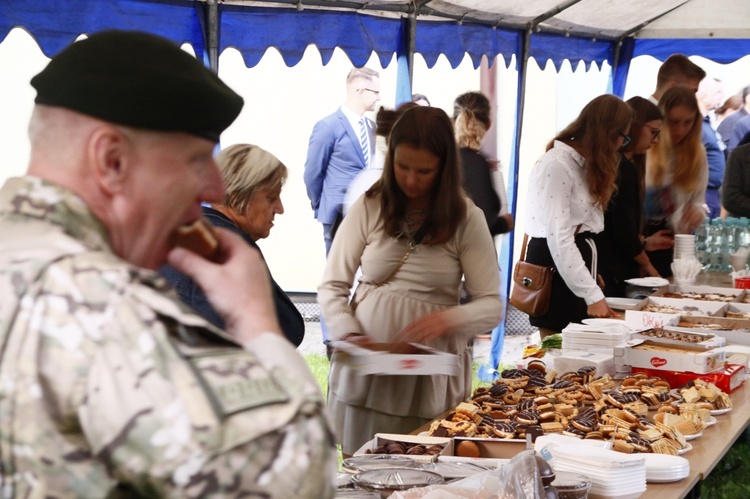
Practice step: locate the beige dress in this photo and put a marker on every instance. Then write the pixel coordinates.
(429, 281)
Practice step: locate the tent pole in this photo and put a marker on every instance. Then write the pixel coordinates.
(405, 61)
(506, 252)
(212, 35)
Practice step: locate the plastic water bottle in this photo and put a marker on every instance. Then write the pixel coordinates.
(744, 233)
(701, 242)
(727, 244)
(716, 230)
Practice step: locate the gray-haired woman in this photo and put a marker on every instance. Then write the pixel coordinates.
(253, 179)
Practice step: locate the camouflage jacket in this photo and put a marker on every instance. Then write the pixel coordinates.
(109, 387)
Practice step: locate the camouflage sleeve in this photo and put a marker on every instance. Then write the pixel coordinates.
(170, 412)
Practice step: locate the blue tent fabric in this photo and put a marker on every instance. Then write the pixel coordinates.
(55, 25)
(252, 31)
(455, 41)
(559, 48)
(723, 51)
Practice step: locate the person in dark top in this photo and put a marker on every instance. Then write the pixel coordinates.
(735, 195)
(471, 117)
(620, 245)
(253, 179)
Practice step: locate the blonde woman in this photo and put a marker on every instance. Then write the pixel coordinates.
(676, 173)
(569, 188)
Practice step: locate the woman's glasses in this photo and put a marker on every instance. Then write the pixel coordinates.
(654, 131)
(625, 139)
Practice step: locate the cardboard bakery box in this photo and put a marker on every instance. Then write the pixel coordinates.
(727, 378)
(381, 439)
(653, 354)
(707, 293)
(738, 311)
(675, 335)
(496, 448)
(674, 308)
(378, 360)
(733, 330)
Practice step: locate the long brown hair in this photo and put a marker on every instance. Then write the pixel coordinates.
(594, 134)
(688, 158)
(643, 111)
(430, 129)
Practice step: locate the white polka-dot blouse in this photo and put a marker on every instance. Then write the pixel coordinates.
(558, 200)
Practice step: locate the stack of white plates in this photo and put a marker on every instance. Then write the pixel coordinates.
(661, 468)
(613, 475)
(684, 246)
(599, 337)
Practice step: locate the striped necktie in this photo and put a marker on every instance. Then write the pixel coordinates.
(363, 141)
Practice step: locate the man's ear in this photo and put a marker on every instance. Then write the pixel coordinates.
(108, 153)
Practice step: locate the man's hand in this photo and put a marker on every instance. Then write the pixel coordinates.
(238, 288)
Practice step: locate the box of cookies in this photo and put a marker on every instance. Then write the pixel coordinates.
(654, 354)
(658, 311)
(409, 359)
(729, 377)
(732, 329)
(676, 335)
(420, 448)
(702, 293)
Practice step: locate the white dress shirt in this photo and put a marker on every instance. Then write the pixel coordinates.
(557, 202)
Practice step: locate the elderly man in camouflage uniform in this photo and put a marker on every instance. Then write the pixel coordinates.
(108, 385)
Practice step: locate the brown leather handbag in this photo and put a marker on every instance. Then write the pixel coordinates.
(533, 285)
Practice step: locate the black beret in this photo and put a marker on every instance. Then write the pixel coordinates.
(139, 80)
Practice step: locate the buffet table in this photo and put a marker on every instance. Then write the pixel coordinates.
(708, 450)
(713, 445)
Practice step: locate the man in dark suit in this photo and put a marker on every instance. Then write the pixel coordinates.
(341, 145)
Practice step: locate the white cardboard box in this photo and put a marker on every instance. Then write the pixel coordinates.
(710, 338)
(735, 294)
(639, 320)
(426, 361)
(691, 359)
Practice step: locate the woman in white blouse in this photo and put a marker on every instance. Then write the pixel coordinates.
(569, 188)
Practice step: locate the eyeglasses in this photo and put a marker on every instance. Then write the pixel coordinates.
(625, 139)
(376, 92)
(655, 131)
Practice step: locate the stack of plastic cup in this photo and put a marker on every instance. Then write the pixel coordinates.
(684, 247)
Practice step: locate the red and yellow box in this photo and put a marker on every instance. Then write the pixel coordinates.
(728, 378)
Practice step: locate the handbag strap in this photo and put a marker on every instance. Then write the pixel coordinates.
(526, 238)
(411, 246)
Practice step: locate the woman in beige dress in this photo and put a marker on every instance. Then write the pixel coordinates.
(419, 202)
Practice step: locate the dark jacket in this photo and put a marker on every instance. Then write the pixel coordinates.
(478, 185)
(620, 240)
(292, 324)
(735, 193)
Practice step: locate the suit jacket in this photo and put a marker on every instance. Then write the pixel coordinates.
(334, 157)
(291, 321)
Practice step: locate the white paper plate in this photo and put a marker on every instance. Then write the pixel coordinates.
(719, 412)
(622, 303)
(693, 437)
(666, 479)
(603, 322)
(648, 282)
(710, 422)
(687, 448)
